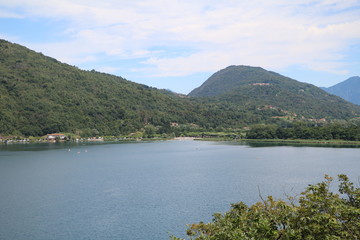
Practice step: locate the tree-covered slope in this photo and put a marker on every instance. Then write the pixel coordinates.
(256, 87)
(232, 77)
(39, 95)
(348, 90)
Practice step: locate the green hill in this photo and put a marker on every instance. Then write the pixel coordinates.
(348, 90)
(261, 89)
(40, 95)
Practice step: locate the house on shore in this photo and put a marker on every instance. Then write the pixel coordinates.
(55, 136)
(7, 138)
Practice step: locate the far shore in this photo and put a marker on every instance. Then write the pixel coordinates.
(186, 138)
(286, 141)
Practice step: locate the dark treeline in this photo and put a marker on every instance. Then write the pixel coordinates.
(349, 131)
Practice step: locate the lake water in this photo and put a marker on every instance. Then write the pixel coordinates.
(147, 190)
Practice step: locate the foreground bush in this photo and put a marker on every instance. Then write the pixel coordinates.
(318, 213)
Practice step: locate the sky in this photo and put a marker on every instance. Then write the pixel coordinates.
(178, 44)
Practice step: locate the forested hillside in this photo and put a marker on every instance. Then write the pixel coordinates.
(256, 87)
(40, 95)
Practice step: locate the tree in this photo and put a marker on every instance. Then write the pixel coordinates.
(318, 214)
(150, 131)
(262, 132)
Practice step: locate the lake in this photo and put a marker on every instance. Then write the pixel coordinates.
(147, 190)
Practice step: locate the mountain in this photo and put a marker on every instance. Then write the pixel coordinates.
(348, 90)
(258, 88)
(40, 95)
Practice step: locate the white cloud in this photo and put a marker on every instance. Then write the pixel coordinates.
(9, 14)
(272, 34)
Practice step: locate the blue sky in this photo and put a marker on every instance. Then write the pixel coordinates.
(177, 45)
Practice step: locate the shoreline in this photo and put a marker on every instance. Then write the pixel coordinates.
(305, 141)
(184, 138)
(215, 139)
(286, 141)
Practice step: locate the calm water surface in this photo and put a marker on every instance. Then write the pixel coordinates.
(147, 190)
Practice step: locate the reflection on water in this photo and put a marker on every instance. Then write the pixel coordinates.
(67, 145)
(51, 146)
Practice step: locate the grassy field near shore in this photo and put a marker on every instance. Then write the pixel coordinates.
(285, 141)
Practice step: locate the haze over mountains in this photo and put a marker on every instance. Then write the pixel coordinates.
(348, 90)
(40, 95)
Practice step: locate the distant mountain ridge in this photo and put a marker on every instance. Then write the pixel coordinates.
(348, 90)
(255, 86)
